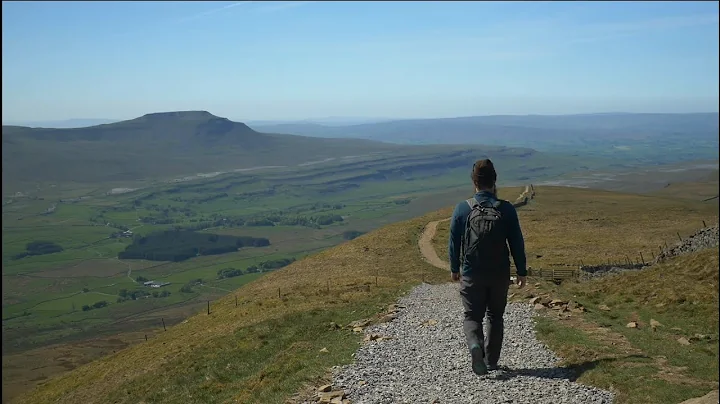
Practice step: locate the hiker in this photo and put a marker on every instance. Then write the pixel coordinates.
(481, 229)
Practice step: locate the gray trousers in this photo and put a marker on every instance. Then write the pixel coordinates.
(481, 296)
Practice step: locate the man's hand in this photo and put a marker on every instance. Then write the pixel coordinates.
(521, 281)
(455, 276)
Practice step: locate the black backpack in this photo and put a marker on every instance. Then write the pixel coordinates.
(484, 239)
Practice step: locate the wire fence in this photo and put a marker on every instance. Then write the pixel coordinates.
(327, 287)
(625, 261)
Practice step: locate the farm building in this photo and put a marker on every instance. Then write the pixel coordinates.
(154, 284)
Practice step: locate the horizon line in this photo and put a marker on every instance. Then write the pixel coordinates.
(386, 119)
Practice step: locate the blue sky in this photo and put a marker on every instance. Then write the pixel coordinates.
(296, 60)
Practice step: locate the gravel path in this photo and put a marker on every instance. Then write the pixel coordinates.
(426, 360)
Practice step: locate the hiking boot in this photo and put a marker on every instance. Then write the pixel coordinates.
(492, 368)
(478, 361)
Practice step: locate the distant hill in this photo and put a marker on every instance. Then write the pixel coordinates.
(159, 145)
(687, 135)
(517, 127)
(329, 121)
(64, 124)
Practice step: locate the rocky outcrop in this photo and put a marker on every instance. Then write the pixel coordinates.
(562, 307)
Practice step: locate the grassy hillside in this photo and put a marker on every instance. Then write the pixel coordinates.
(670, 362)
(269, 346)
(704, 189)
(564, 226)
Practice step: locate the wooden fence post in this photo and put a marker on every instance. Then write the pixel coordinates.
(163, 321)
(235, 300)
(704, 225)
(208, 307)
(678, 233)
(145, 337)
(642, 258)
(328, 286)
(279, 297)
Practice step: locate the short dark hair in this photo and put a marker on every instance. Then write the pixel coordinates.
(483, 174)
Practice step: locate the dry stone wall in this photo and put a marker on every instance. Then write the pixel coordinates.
(701, 240)
(707, 237)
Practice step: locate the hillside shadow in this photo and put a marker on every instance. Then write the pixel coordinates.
(571, 373)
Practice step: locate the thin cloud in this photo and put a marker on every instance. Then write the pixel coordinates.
(284, 6)
(186, 19)
(212, 11)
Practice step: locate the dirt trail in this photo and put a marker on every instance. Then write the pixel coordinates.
(426, 247)
(426, 239)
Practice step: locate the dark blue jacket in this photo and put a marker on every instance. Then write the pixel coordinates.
(515, 239)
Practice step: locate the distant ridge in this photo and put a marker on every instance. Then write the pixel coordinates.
(536, 131)
(62, 124)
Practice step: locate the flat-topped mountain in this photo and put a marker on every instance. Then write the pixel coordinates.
(195, 125)
(158, 145)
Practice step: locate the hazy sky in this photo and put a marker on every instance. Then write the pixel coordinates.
(295, 60)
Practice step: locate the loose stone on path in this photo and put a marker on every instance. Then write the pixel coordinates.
(419, 363)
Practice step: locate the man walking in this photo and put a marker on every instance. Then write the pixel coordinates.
(481, 230)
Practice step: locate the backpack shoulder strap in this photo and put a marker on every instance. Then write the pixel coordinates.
(486, 203)
(497, 204)
(472, 202)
